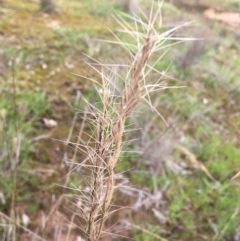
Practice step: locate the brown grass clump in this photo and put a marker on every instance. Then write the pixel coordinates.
(47, 6)
(129, 6)
(103, 149)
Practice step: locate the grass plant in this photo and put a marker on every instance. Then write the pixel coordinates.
(120, 93)
(183, 183)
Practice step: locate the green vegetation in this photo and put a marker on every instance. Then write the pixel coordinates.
(200, 197)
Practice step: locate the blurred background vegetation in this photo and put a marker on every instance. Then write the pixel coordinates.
(185, 178)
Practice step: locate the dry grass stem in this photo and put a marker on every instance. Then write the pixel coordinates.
(108, 120)
(196, 164)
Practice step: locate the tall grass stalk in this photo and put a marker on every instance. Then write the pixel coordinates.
(16, 146)
(103, 149)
